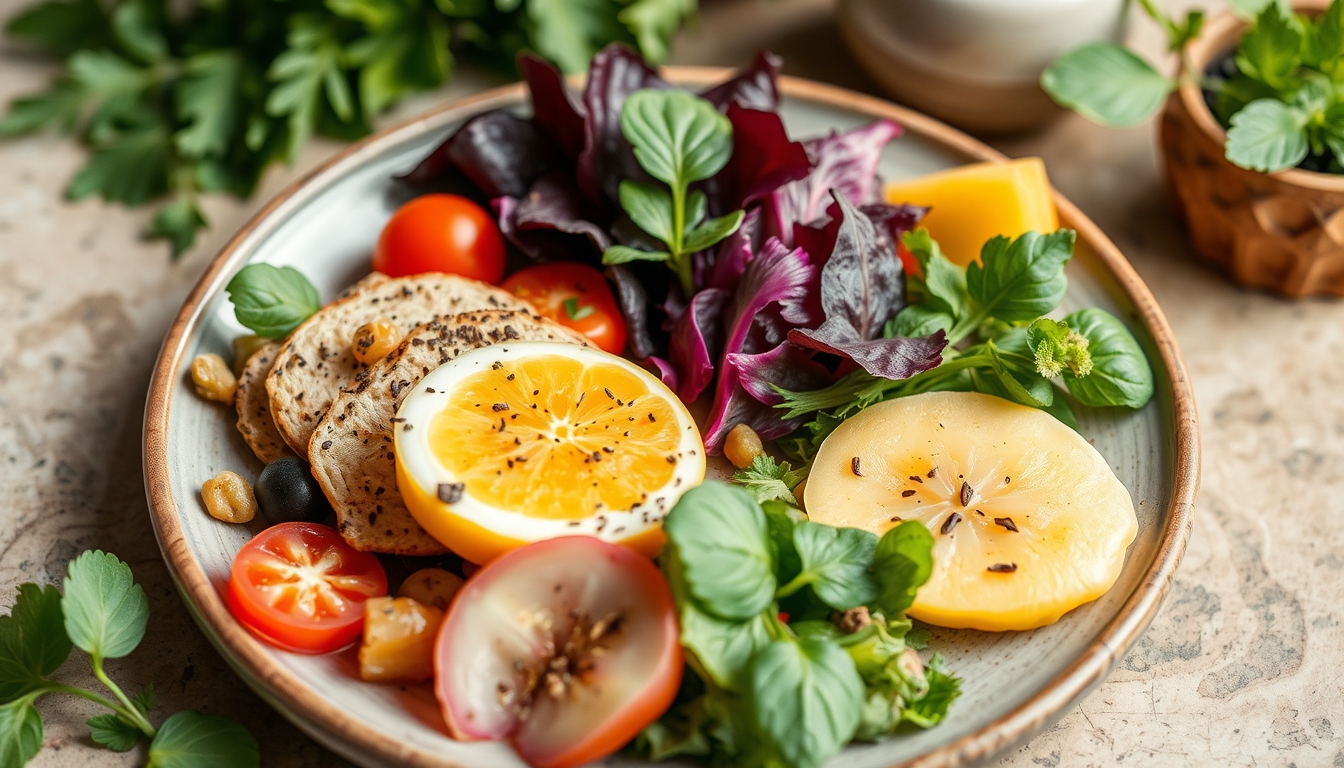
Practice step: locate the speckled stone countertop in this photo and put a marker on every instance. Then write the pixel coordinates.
(1241, 667)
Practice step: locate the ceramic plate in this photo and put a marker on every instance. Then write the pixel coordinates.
(325, 225)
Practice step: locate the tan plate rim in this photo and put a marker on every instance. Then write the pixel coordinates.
(254, 663)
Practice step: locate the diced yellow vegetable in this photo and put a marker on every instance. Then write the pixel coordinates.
(973, 203)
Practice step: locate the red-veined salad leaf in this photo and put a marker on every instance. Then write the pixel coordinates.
(607, 158)
(753, 87)
(499, 152)
(787, 362)
(552, 208)
(693, 347)
(763, 156)
(554, 108)
(634, 301)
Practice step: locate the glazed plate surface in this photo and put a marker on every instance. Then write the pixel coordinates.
(1014, 684)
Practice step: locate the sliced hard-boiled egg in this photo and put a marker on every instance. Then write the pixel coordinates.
(514, 443)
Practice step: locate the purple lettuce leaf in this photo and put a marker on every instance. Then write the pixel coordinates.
(753, 87)
(554, 109)
(662, 369)
(607, 159)
(787, 365)
(846, 162)
(693, 348)
(895, 358)
(634, 302)
(543, 222)
(499, 152)
(892, 221)
(772, 290)
(764, 158)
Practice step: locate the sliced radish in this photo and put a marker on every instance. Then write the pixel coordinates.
(568, 647)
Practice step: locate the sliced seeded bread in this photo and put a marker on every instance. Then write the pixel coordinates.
(254, 407)
(316, 362)
(351, 448)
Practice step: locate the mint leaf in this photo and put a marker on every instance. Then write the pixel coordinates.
(720, 537)
(622, 254)
(835, 561)
(1267, 135)
(105, 610)
(678, 137)
(20, 731)
(1249, 9)
(272, 301)
(33, 642)
(654, 22)
(902, 562)
(1106, 84)
(710, 232)
(1325, 39)
(944, 282)
(114, 733)
(1120, 372)
(807, 698)
(1021, 280)
(191, 740)
(768, 480)
(649, 207)
(1270, 51)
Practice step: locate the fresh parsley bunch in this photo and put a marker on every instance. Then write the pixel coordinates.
(999, 341)
(1281, 98)
(179, 104)
(104, 613)
(796, 632)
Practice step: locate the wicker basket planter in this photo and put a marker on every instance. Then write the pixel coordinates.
(1280, 231)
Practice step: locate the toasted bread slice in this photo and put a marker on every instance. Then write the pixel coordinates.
(254, 406)
(351, 449)
(316, 362)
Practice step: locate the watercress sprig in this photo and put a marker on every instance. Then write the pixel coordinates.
(679, 139)
(104, 613)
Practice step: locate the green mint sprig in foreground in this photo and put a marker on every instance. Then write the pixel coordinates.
(678, 139)
(796, 632)
(999, 342)
(103, 613)
(1283, 104)
(272, 301)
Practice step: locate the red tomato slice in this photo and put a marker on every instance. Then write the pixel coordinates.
(576, 296)
(567, 647)
(300, 587)
(441, 233)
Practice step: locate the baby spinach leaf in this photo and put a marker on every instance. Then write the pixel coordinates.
(33, 642)
(1107, 84)
(835, 562)
(105, 610)
(721, 539)
(808, 699)
(902, 562)
(20, 731)
(1268, 135)
(191, 740)
(270, 300)
(114, 733)
(1021, 280)
(1120, 372)
(780, 519)
(678, 137)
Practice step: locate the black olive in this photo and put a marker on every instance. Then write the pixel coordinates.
(287, 492)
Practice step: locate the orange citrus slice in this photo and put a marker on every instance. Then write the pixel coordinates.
(514, 443)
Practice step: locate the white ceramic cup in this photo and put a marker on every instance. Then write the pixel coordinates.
(974, 63)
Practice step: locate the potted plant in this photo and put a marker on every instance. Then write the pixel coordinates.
(1252, 134)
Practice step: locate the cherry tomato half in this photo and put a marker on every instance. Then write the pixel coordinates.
(441, 233)
(300, 587)
(576, 296)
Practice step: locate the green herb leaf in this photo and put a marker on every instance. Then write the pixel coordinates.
(20, 731)
(767, 479)
(272, 301)
(1022, 280)
(114, 733)
(131, 168)
(139, 30)
(33, 642)
(723, 648)
(207, 101)
(780, 519)
(62, 27)
(144, 700)
(1267, 135)
(307, 72)
(622, 254)
(808, 699)
(943, 688)
(178, 222)
(720, 536)
(1325, 39)
(571, 31)
(915, 321)
(678, 137)
(836, 563)
(1270, 51)
(575, 312)
(1249, 9)
(649, 207)
(58, 107)
(902, 562)
(405, 51)
(105, 610)
(1120, 372)
(1106, 84)
(1055, 347)
(944, 282)
(191, 740)
(712, 231)
(654, 22)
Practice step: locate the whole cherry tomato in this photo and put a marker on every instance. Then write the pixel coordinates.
(441, 233)
(576, 296)
(300, 587)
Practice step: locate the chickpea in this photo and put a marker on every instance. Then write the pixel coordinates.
(213, 379)
(434, 587)
(229, 498)
(373, 341)
(742, 446)
(243, 349)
